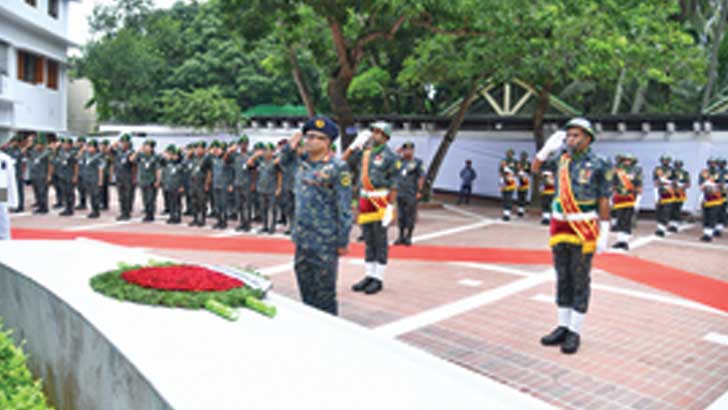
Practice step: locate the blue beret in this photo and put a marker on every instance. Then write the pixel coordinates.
(322, 124)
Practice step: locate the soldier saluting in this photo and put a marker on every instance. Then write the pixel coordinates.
(579, 225)
(378, 173)
(323, 208)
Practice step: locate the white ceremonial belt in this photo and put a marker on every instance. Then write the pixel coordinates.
(583, 216)
(381, 193)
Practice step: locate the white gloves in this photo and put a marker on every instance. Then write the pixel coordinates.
(657, 196)
(603, 240)
(361, 139)
(637, 201)
(388, 215)
(553, 144)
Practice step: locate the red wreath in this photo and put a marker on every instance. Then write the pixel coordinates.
(186, 278)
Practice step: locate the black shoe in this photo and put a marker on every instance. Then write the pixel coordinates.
(148, 219)
(80, 207)
(40, 211)
(556, 337)
(233, 217)
(193, 223)
(399, 241)
(287, 232)
(717, 233)
(217, 226)
(571, 343)
(545, 221)
(520, 214)
(57, 206)
(66, 213)
(188, 213)
(408, 241)
(123, 217)
(672, 229)
(362, 284)
(165, 212)
(360, 238)
(16, 210)
(93, 215)
(170, 221)
(659, 233)
(621, 245)
(706, 238)
(374, 286)
(506, 218)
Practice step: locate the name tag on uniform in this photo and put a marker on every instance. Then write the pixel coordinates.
(146, 165)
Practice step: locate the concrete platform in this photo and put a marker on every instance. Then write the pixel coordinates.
(99, 353)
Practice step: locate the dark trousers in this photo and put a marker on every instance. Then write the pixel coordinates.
(464, 195)
(572, 276)
(507, 200)
(57, 187)
(40, 191)
(94, 195)
(663, 213)
(20, 183)
(546, 201)
(289, 207)
(406, 212)
(81, 193)
(711, 216)
(188, 199)
(624, 220)
(125, 191)
(721, 217)
(316, 272)
(676, 211)
(220, 201)
(375, 241)
(175, 204)
(243, 203)
(104, 198)
(199, 203)
(149, 198)
(165, 199)
(267, 210)
(522, 198)
(68, 194)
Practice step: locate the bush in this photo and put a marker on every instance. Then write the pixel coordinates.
(18, 390)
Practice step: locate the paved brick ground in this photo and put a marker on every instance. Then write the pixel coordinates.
(641, 348)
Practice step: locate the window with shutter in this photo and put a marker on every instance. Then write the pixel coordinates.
(52, 74)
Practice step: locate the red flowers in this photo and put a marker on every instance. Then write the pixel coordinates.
(189, 278)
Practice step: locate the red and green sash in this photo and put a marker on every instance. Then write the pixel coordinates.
(580, 232)
(371, 209)
(627, 200)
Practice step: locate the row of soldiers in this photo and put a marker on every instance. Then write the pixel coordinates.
(671, 181)
(223, 180)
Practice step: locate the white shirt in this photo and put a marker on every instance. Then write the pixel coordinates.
(7, 179)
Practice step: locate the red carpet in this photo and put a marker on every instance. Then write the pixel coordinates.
(709, 291)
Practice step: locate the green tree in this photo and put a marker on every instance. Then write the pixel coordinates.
(202, 108)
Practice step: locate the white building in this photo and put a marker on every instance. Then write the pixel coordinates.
(33, 66)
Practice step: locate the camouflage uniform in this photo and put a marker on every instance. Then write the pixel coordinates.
(198, 176)
(173, 176)
(548, 189)
(383, 176)
(590, 177)
(663, 178)
(242, 176)
(67, 173)
(219, 190)
(123, 173)
(39, 162)
(91, 164)
(523, 167)
(711, 184)
(410, 172)
(323, 205)
(147, 166)
(289, 164)
(56, 178)
(507, 171)
(266, 187)
(682, 183)
(626, 187)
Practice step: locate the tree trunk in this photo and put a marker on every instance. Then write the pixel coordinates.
(340, 107)
(538, 136)
(639, 97)
(618, 92)
(713, 70)
(301, 82)
(447, 140)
